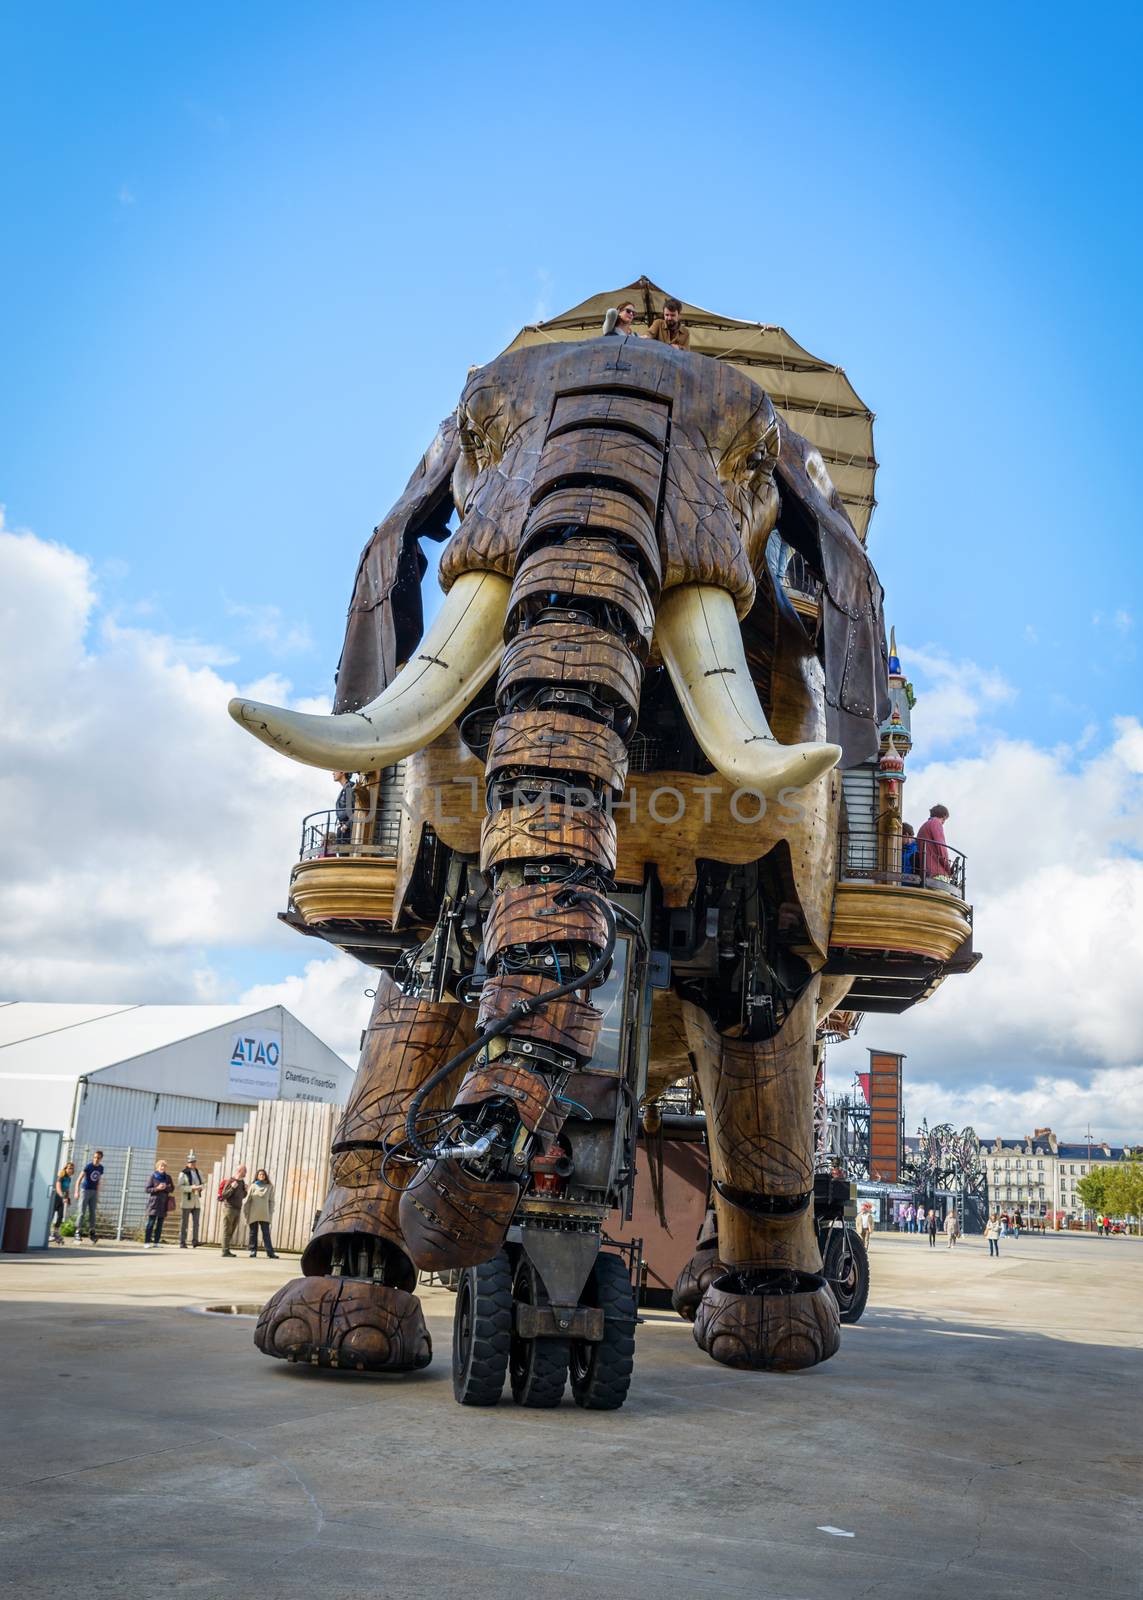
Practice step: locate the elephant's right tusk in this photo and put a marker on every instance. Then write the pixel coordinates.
(698, 634)
(454, 660)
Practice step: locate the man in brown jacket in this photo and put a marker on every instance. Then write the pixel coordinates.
(668, 329)
(231, 1195)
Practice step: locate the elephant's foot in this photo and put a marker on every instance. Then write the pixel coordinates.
(768, 1319)
(349, 1323)
(695, 1278)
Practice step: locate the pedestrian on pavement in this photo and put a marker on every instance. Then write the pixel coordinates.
(952, 1227)
(992, 1234)
(932, 1221)
(232, 1192)
(161, 1197)
(190, 1187)
(90, 1179)
(865, 1223)
(61, 1198)
(260, 1211)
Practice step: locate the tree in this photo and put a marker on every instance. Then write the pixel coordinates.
(1125, 1189)
(1094, 1190)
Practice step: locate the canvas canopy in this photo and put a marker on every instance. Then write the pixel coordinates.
(815, 397)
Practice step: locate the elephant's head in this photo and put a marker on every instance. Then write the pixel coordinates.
(682, 464)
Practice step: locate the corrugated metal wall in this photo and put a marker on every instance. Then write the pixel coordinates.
(112, 1117)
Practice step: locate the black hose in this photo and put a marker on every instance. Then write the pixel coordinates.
(524, 1009)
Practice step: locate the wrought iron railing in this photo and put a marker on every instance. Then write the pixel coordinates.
(799, 579)
(366, 833)
(864, 858)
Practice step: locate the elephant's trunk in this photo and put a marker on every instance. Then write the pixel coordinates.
(579, 623)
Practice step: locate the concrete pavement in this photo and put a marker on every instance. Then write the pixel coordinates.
(978, 1433)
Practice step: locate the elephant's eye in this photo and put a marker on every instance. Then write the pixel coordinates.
(475, 444)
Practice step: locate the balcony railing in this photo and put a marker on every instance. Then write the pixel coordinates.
(864, 858)
(324, 836)
(798, 578)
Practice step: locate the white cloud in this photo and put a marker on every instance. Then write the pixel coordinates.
(266, 626)
(1109, 1101)
(1120, 620)
(954, 695)
(147, 832)
(328, 997)
(1049, 1017)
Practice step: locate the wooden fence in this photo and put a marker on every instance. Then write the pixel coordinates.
(291, 1139)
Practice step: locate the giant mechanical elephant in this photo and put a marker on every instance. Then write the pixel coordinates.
(613, 590)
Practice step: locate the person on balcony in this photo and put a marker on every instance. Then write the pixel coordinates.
(621, 320)
(933, 853)
(346, 803)
(669, 328)
(908, 851)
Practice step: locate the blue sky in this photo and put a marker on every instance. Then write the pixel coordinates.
(250, 253)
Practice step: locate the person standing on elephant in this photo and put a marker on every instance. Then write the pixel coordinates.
(932, 849)
(231, 1194)
(259, 1212)
(669, 328)
(621, 320)
(908, 851)
(345, 805)
(160, 1192)
(190, 1187)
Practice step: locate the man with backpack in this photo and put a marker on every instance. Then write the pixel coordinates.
(231, 1194)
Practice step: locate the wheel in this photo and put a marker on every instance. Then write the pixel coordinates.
(538, 1367)
(601, 1373)
(845, 1264)
(482, 1332)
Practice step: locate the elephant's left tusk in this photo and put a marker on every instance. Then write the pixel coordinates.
(698, 634)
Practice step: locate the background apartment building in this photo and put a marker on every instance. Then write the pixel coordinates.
(1038, 1175)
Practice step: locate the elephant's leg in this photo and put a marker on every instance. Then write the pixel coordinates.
(355, 1306)
(567, 697)
(771, 1308)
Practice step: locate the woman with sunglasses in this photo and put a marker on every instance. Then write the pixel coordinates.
(621, 319)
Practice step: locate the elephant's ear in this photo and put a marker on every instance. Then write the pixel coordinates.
(385, 619)
(814, 522)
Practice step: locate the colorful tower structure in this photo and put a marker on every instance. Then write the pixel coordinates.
(896, 743)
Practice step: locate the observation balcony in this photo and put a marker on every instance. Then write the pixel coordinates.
(803, 589)
(898, 934)
(343, 885)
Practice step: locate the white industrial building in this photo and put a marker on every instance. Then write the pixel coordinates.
(139, 1082)
(111, 1076)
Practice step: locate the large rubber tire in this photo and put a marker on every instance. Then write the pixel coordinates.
(845, 1264)
(538, 1367)
(601, 1373)
(482, 1332)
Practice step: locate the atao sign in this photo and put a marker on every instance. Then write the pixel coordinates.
(255, 1068)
